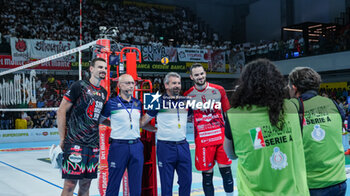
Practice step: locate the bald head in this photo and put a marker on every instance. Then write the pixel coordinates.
(126, 86)
(125, 77)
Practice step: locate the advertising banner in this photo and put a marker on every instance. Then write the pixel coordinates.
(158, 67)
(26, 49)
(6, 61)
(217, 61)
(29, 135)
(193, 55)
(19, 49)
(156, 53)
(39, 49)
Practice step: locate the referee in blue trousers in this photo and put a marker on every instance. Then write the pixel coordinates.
(172, 148)
(126, 149)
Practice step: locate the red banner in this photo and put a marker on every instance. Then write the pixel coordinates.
(7, 62)
(105, 132)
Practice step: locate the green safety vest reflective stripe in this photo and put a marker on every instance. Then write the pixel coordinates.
(270, 161)
(324, 152)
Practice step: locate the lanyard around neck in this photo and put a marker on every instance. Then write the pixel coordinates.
(132, 106)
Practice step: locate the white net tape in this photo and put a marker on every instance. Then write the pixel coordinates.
(27, 109)
(8, 91)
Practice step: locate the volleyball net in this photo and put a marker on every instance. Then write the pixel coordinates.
(30, 94)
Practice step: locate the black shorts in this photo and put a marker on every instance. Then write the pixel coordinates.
(79, 162)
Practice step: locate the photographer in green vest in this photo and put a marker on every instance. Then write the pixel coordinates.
(322, 134)
(264, 133)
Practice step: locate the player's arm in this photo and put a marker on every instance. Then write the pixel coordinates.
(61, 119)
(105, 114)
(229, 149)
(66, 104)
(228, 142)
(105, 121)
(144, 123)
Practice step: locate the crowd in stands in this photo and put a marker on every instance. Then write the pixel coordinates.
(338, 94)
(147, 24)
(50, 91)
(59, 20)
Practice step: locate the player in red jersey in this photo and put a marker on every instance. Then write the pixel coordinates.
(209, 129)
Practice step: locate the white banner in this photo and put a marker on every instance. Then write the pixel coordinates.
(193, 55)
(29, 135)
(26, 49)
(156, 53)
(39, 49)
(19, 49)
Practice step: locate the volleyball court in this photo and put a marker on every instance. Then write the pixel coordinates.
(29, 131)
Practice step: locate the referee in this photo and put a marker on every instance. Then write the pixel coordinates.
(126, 149)
(173, 150)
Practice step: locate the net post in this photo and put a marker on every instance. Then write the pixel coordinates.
(104, 130)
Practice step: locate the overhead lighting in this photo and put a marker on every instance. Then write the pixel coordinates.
(314, 26)
(312, 34)
(289, 29)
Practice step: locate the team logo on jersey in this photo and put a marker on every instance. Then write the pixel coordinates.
(95, 93)
(151, 101)
(68, 93)
(257, 138)
(278, 159)
(318, 133)
(90, 110)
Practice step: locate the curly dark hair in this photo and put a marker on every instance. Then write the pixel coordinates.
(262, 84)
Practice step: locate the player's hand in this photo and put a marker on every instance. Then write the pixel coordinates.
(61, 144)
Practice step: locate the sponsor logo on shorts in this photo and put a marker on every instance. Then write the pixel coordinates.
(76, 147)
(75, 158)
(257, 138)
(160, 164)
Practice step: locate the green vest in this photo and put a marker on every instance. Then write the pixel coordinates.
(322, 136)
(270, 161)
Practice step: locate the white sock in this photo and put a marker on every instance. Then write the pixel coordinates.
(229, 194)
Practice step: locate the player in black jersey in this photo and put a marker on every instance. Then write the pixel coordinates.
(78, 120)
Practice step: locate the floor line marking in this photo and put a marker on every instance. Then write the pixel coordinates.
(33, 175)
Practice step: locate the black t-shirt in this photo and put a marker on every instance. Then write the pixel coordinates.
(82, 119)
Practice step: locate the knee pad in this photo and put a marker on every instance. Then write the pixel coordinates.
(227, 179)
(208, 186)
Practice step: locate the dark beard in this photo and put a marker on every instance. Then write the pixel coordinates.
(200, 84)
(102, 77)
